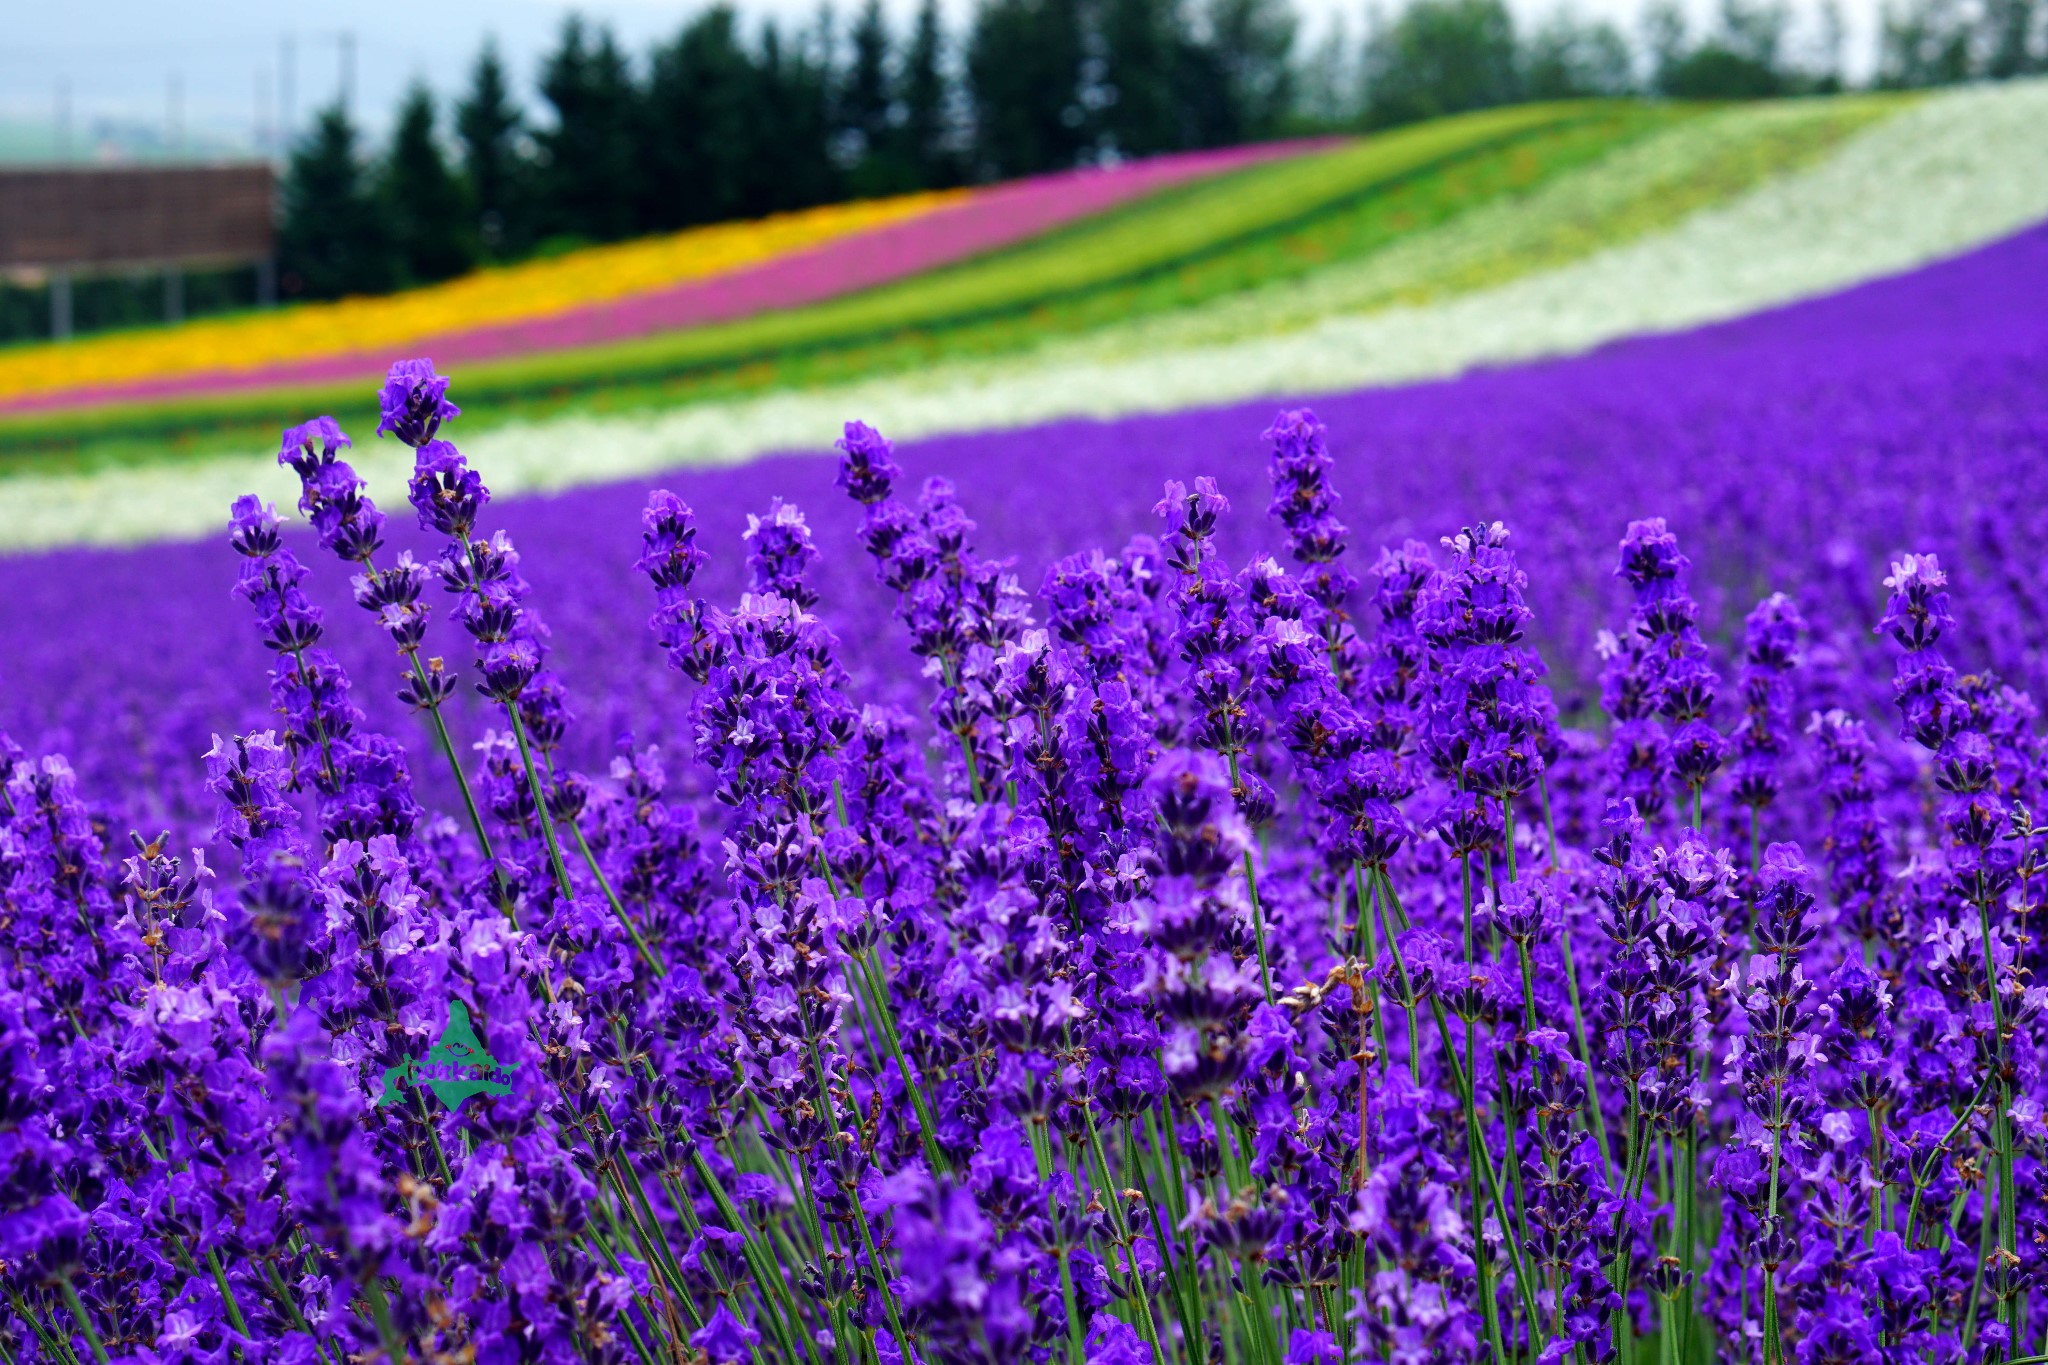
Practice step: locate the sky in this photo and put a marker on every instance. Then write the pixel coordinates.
(212, 75)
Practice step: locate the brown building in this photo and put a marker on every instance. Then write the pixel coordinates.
(69, 220)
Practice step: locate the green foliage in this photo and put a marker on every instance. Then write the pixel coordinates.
(1243, 81)
(1742, 58)
(729, 133)
(1713, 72)
(1024, 60)
(1941, 42)
(129, 298)
(865, 97)
(920, 140)
(589, 164)
(333, 238)
(1143, 42)
(793, 167)
(1441, 57)
(496, 175)
(428, 212)
(1568, 57)
(705, 97)
(1172, 78)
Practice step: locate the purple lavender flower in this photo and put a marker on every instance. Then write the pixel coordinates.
(414, 403)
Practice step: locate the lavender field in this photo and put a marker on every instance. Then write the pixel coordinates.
(1080, 911)
(1793, 450)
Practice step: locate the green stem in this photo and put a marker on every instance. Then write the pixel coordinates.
(1251, 882)
(540, 801)
(447, 745)
(1369, 932)
(881, 1273)
(227, 1295)
(869, 971)
(2001, 1129)
(57, 1347)
(1985, 1227)
(1400, 965)
(380, 1314)
(654, 964)
(1926, 1173)
(766, 1274)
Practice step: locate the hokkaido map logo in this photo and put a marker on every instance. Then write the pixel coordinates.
(454, 1068)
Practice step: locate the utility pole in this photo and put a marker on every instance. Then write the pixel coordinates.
(60, 303)
(63, 118)
(347, 39)
(262, 131)
(174, 144)
(284, 96)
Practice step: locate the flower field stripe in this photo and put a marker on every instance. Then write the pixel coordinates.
(892, 239)
(1940, 177)
(1531, 205)
(1147, 237)
(1648, 185)
(530, 290)
(1154, 233)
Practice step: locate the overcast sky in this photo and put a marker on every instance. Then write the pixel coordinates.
(215, 64)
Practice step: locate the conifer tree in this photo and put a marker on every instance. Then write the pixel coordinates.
(496, 173)
(332, 237)
(589, 158)
(422, 201)
(1025, 62)
(924, 137)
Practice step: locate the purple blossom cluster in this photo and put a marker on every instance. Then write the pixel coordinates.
(1198, 954)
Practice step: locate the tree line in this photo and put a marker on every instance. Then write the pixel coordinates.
(721, 122)
(728, 120)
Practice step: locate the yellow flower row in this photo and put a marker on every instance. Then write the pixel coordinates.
(516, 293)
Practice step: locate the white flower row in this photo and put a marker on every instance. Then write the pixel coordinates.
(1648, 185)
(1950, 172)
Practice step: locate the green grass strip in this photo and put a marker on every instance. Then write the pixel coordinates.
(1648, 185)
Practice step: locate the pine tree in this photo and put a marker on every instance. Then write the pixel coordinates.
(922, 139)
(702, 133)
(1441, 57)
(1024, 74)
(795, 122)
(1143, 41)
(332, 238)
(1570, 57)
(865, 98)
(1328, 97)
(422, 200)
(1743, 58)
(589, 163)
(2013, 30)
(497, 175)
(1253, 43)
